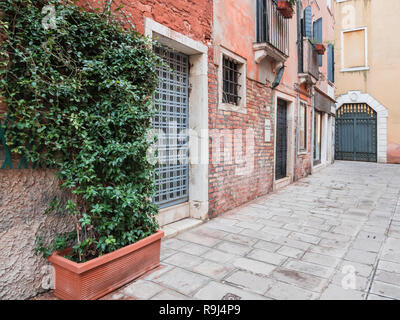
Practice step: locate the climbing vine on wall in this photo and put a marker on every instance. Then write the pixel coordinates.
(78, 86)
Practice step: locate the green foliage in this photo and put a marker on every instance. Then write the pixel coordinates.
(79, 100)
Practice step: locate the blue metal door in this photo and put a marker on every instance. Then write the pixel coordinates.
(172, 122)
(356, 133)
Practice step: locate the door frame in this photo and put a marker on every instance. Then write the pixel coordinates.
(382, 114)
(291, 141)
(197, 207)
(284, 146)
(321, 122)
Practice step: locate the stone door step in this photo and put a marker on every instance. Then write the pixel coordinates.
(173, 229)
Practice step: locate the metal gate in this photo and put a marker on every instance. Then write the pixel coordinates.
(172, 122)
(281, 140)
(356, 133)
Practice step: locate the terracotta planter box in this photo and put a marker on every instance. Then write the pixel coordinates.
(95, 278)
(320, 48)
(285, 8)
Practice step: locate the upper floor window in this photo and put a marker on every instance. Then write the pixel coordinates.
(317, 36)
(232, 82)
(354, 51)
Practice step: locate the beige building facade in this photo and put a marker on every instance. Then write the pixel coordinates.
(367, 67)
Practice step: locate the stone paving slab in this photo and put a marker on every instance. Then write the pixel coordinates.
(218, 256)
(309, 268)
(334, 292)
(268, 257)
(212, 269)
(250, 281)
(332, 235)
(284, 291)
(299, 279)
(386, 290)
(182, 281)
(142, 289)
(290, 252)
(307, 241)
(254, 266)
(220, 291)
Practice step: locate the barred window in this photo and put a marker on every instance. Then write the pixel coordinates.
(231, 86)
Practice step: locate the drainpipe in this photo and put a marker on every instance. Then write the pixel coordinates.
(296, 123)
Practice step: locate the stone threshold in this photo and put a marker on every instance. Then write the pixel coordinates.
(173, 229)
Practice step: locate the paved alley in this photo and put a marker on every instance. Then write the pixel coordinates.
(333, 235)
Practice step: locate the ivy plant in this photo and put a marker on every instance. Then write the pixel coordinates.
(78, 84)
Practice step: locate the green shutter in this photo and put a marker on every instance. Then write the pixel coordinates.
(317, 31)
(331, 63)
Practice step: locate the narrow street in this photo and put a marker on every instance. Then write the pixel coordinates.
(333, 235)
(199, 150)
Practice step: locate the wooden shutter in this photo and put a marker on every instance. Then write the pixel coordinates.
(317, 31)
(300, 38)
(307, 22)
(331, 63)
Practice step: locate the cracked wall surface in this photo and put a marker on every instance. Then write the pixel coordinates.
(24, 197)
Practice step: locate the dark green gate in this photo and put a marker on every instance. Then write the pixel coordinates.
(356, 133)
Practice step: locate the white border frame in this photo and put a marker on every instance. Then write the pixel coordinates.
(242, 107)
(366, 66)
(382, 113)
(299, 151)
(291, 143)
(198, 112)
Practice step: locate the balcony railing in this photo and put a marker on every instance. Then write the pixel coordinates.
(310, 59)
(272, 27)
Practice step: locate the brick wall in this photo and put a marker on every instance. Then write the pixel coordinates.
(191, 18)
(227, 189)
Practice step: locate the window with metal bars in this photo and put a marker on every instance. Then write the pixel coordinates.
(231, 86)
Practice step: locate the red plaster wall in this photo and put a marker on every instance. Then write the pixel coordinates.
(234, 29)
(192, 18)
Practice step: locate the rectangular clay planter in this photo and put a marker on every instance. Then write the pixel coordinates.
(95, 278)
(285, 8)
(320, 48)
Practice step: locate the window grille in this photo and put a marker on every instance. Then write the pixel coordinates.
(172, 120)
(231, 86)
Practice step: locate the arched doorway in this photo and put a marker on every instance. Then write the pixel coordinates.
(356, 133)
(357, 97)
